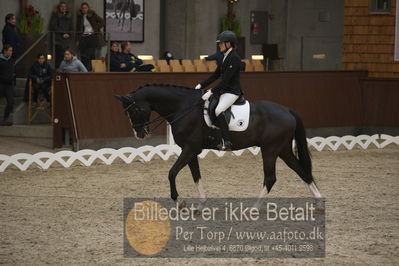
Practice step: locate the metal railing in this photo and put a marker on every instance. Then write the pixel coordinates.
(47, 44)
(30, 48)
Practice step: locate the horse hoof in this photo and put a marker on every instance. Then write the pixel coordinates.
(198, 212)
(320, 210)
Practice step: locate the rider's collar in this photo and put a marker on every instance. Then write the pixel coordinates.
(227, 53)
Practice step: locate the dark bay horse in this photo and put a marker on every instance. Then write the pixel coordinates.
(272, 127)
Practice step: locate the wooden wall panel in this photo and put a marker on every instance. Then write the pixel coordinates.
(62, 111)
(99, 114)
(323, 98)
(356, 11)
(380, 102)
(366, 34)
(357, 3)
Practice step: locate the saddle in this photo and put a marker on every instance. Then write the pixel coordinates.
(213, 102)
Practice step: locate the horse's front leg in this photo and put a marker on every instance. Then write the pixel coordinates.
(195, 172)
(269, 170)
(185, 157)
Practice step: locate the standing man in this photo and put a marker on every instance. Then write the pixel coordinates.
(89, 36)
(11, 36)
(7, 82)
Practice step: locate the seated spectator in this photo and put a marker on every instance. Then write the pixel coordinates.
(133, 63)
(7, 82)
(41, 74)
(116, 59)
(216, 56)
(71, 63)
(11, 36)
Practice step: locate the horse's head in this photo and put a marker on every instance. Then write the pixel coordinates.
(138, 113)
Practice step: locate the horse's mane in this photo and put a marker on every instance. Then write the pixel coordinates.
(163, 85)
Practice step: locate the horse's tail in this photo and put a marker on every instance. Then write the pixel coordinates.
(302, 146)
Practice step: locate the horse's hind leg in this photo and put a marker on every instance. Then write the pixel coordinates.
(292, 162)
(123, 21)
(131, 24)
(121, 16)
(195, 172)
(269, 169)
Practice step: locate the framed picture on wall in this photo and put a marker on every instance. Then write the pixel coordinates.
(397, 32)
(124, 20)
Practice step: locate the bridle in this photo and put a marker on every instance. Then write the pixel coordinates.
(159, 118)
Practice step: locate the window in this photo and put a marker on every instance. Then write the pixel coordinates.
(381, 6)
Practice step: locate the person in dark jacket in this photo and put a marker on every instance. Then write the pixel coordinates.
(11, 36)
(215, 57)
(61, 24)
(116, 59)
(7, 82)
(88, 33)
(41, 75)
(229, 88)
(132, 62)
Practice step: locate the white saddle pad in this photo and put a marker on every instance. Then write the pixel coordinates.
(238, 122)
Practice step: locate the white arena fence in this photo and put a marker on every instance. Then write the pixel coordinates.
(44, 160)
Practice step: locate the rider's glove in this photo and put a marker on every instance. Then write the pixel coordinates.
(207, 95)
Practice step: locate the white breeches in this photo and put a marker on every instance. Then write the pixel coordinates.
(226, 100)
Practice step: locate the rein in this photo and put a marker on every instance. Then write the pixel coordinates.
(163, 119)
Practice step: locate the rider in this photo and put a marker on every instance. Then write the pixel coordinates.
(229, 88)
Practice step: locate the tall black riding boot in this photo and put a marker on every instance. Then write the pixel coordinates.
(225, 144)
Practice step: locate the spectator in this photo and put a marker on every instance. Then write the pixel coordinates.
(133, 63)
(116, 59)
(71, 63)
(41, 74)
(11, 36)
(61, 24)
(88, 28)
(7, 82)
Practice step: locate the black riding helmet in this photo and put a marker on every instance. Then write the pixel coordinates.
(227, 36)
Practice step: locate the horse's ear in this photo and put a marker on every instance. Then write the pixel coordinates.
(122, 98)
(118, 97)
